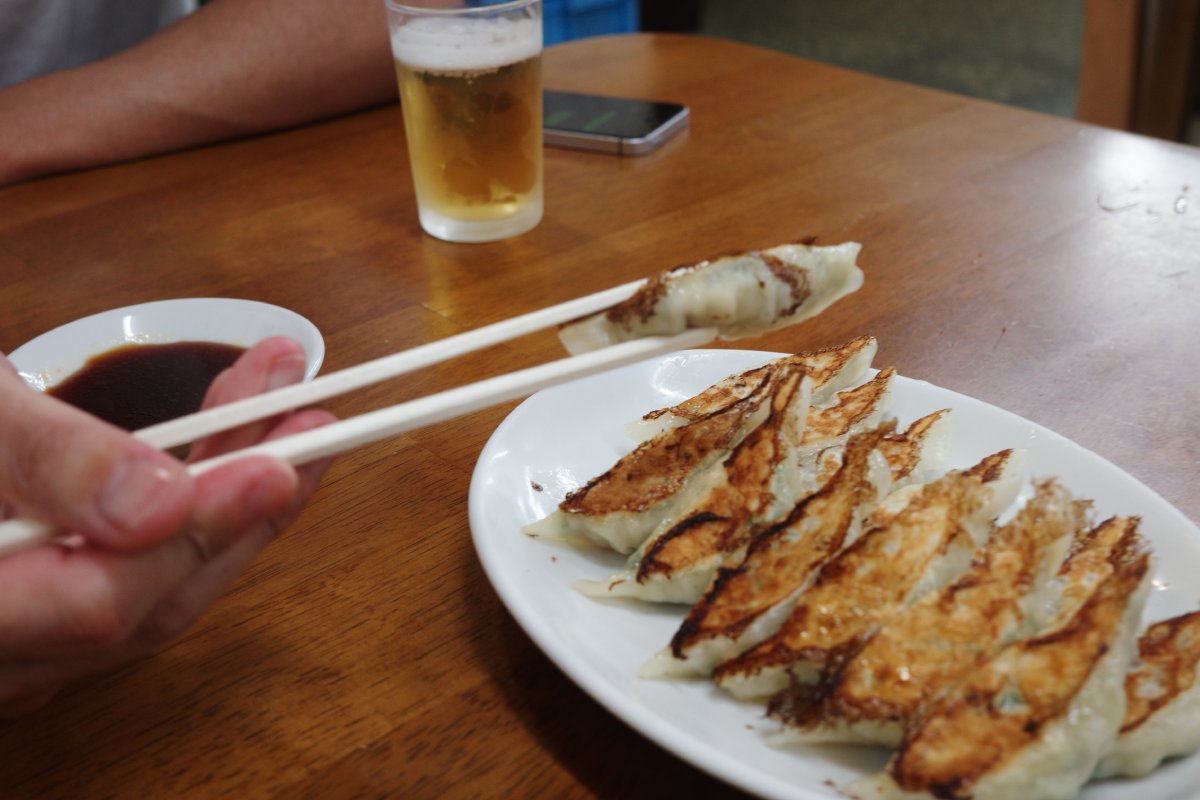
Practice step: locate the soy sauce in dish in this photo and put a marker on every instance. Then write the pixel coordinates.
(143, 384)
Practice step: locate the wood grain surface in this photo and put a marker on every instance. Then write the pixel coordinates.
(1042, 265)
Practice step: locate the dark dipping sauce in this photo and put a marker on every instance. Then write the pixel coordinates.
(144, 384)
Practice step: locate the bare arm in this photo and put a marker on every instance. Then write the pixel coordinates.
(233, 68)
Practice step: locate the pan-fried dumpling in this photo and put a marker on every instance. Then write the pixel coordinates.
(852, 411)
(830, 371)
(828, 427)
(677, 561)
(911, 552)
(918, 455)
(657, 480)
(1002, 473)
(773, 469)
(741, 295)
(941, 637)
(746, 603)
(1162, 715)
(1031, 723)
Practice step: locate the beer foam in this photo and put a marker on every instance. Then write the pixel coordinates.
(459, 45)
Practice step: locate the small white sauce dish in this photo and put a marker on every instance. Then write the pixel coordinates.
(45, 361)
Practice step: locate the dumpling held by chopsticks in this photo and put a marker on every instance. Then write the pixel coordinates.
(741, 295)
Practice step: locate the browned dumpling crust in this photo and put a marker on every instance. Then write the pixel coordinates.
(1162, 714)
(1168, 653)
(737, 610)
(905, 451)
(830, 369)
(928, 646)
(658, 468)
(722, 529)
(723, 523)
(864, 585)
(1034, 720)
(854, 409)
(623, 506)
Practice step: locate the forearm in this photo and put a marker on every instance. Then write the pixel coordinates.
(233, 68)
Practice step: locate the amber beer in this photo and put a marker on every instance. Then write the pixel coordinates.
(472, 101)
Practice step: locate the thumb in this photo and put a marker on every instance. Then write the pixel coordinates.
(69, 468)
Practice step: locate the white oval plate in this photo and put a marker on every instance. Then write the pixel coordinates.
(560, 438)
(54, 355)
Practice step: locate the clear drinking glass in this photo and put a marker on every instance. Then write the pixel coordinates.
(470, 76)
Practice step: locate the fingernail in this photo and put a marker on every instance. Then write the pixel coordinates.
(138, 489)
(286, 370)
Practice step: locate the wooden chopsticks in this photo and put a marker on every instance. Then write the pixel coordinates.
(20, 534)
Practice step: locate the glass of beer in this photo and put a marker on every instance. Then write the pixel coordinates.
(470, 75)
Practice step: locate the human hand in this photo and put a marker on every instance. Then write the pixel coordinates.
(158, 545)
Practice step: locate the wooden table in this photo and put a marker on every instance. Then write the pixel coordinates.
(1038, 264)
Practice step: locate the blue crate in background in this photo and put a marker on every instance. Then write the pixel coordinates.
(574, 19)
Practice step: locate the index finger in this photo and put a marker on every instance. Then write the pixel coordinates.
(270, 364)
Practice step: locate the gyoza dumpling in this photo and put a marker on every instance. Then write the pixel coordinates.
(741, 295)
(919, 453)
(941, 637)
(829, 426)
(1162, 715)
(1031, 723)
(746, 603)
(1002, 473)
(915, 550)
(657, 480)
(676, 562)
(830, 370)
(770, 471)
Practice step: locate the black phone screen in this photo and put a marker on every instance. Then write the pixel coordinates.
(617, 117)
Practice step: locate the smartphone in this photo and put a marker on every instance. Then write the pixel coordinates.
(610, 124)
